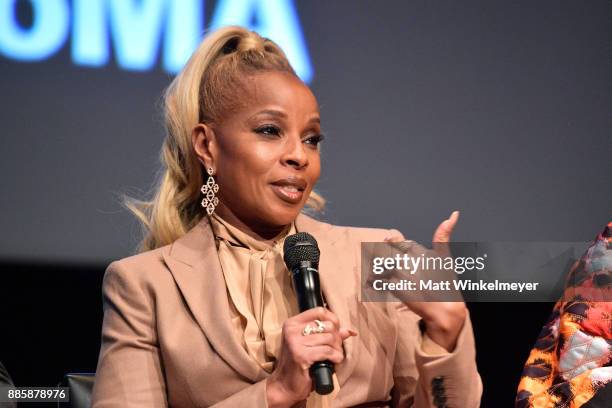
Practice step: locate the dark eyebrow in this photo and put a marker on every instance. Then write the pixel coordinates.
(277, 113)
(271, 112)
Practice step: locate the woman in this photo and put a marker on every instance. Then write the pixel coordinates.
(206, 314)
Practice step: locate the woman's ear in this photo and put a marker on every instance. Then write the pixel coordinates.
(204, 144)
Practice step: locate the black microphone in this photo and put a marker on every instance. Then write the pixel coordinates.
(301, 255)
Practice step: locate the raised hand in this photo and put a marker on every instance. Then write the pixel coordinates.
(443, 320)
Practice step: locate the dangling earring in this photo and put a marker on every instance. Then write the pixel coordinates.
(209, 190)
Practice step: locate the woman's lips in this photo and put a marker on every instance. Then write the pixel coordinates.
(289, 194)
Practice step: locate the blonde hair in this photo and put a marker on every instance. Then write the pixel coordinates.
(207, 87)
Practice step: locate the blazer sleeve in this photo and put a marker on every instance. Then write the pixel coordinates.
(252, 396)
(444, 379)
(129, 373)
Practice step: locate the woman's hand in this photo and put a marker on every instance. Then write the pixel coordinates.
(443, 320)
(290, 382)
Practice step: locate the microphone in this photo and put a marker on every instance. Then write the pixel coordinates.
(301, 255)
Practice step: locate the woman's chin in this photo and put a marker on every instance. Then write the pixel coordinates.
(284, 214)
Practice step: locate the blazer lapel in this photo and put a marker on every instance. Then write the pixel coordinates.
(195, 266)
(341, 296)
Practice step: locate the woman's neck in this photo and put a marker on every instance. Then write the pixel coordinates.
(260, 232)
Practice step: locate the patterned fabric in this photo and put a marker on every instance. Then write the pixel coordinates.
(571, 359)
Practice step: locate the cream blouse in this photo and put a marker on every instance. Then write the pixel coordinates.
(261, 293)
(259, 286)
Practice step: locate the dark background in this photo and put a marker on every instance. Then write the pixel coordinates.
(498, 109)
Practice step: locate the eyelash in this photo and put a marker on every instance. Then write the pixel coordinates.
(314, 139)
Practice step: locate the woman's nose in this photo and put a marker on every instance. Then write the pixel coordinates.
(295, 153)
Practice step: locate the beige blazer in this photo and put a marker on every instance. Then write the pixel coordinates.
(167, 338)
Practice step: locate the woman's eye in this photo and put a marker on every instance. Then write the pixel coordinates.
(314, 140)
(268, 130)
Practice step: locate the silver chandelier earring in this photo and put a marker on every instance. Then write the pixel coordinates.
(210, 189)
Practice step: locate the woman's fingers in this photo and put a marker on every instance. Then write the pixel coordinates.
(320, 353)
(328, 320)
(445, 229)
(346, 333)
(443, 234)
(317, 313)
(315, 346)
(333, 339)
(323, 339)
(311, 336)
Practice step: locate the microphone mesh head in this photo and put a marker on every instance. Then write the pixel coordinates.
(300, 247)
